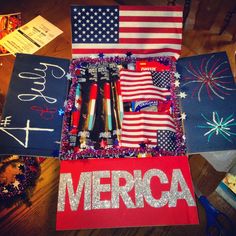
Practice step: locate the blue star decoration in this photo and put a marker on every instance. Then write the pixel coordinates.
(68, 76)
(142, 145)
(129, 54)
(101, 55)
(61, 112)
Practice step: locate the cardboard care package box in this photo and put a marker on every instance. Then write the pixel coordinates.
(114, 115)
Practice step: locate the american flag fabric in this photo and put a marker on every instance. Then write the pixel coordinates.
(166, 140)
(142, 31)
(161, 79)
(138, 85)
(138, 127)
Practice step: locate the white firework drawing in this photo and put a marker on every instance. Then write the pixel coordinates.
(210, 75)
(218, 126)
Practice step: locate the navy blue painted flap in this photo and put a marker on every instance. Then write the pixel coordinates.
(31, 122)
(208, 95)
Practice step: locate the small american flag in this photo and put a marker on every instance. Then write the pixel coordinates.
(161, 79)
(141, 31)
(138, 85)
(166, 140)
(138, 127)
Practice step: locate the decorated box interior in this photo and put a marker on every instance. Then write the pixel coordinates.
(122, 113)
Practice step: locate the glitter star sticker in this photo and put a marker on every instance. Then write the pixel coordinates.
(182, 95)
(65, 103)
(16, 184)
(183, 116)
(68, 76)
(177, 75)
(177, 83)
(60, 112)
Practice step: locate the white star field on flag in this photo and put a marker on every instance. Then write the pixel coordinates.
(95, 25)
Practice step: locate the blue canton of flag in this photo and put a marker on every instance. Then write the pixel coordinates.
(95, 24)
(166, 140)
(161, 79)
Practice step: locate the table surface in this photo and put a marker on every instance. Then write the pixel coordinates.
(40, 217)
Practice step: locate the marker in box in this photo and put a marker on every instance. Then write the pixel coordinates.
(107, 97)
(120, 101)
(92, 104)
(76, 116)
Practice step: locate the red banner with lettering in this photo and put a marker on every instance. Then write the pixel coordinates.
(110, 193)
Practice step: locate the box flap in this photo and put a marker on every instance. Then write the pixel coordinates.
(207, 93)
(134, 188)
(31, 122)
(139, 31)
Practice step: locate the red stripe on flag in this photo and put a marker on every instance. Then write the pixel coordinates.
(151, 8)
(130, 82)
(149, 41)
(150, 30)
(122, 51)
(148, 124)
(153, 91)
(151, 118)
(150, 19)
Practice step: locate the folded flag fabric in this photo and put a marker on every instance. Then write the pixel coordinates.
(138, 127)
(142, 31)
(139, 85)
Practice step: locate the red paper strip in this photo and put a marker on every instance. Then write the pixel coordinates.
(109, 193)
(151, 66)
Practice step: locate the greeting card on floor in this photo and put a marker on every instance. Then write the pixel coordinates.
(30, 37)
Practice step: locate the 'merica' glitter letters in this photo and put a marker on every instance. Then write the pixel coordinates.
(119, 184)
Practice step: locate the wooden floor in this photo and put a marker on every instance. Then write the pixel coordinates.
(39, 218)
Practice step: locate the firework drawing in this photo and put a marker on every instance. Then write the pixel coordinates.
(210, 75)
(219, 126)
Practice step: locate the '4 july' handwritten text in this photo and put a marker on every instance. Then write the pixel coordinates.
(40, 80)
